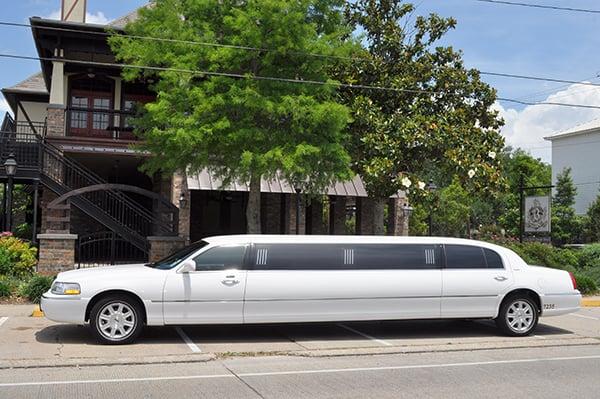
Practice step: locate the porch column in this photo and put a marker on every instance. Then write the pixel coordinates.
(181, 198)
(56, 253)
(161, 247)
(290, 218)
(57, 105)
(316, 217)
(364, 213)
(271, 213)
(337, 215)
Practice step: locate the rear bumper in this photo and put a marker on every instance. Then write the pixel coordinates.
(64, 310)
(559, 304)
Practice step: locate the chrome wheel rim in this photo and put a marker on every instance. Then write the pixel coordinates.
(520, 316)
(116, 321)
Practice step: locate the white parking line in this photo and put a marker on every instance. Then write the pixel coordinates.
(584, 317)
(379, 341)
(301, 372)
(193, 347)
(3, 320)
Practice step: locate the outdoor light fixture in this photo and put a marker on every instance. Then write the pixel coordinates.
(431, 187)
(10, 166)
(407, 210)
(182, 201)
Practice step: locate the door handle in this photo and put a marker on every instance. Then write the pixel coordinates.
(500, 278)
(230, 281)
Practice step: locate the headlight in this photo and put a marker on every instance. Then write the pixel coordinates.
(59, 288)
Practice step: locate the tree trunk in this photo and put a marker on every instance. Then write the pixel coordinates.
(253, 207)
(379, 216)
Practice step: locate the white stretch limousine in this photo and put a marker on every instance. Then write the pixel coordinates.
(276, 279)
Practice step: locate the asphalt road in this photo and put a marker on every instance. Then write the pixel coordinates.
(428, 359)
(560, 372)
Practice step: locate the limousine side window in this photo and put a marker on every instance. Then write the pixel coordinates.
(346, 257)
(471, 257)
(221, 258)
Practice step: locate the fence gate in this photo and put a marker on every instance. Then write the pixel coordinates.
(106, 248)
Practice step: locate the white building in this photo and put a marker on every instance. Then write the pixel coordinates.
(578, 148)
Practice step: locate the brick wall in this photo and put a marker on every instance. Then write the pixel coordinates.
(57, 253)
(161, 247)
(56, 122)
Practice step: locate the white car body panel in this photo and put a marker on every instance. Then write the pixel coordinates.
(264, 296)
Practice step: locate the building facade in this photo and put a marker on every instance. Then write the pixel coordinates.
(578, 149)
(72, 141)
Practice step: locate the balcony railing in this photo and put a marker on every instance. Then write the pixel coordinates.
(21, 140)
(100, 123)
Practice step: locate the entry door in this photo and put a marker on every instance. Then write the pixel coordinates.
(214, 293)
(91, 114)
(474, 280)
(337, 282)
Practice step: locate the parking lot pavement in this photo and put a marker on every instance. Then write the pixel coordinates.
(38, 342)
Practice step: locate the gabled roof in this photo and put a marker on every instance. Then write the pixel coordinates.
(120, 23)
(582, 128)
(34, 84)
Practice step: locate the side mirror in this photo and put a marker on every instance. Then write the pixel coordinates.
(187, 267)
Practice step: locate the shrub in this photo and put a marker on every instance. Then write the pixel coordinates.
(586, 284)
(589, 256)
(5, 287)
(17, 258)
(35, 287)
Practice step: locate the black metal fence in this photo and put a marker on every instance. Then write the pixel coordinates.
(106, 248)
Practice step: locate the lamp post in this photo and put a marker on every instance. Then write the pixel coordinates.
(10, 167)
(298, 191)
(182, 201)
(432, 188)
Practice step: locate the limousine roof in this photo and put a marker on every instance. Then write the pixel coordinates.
(332, 239)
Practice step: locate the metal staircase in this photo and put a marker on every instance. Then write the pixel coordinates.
(38, 159)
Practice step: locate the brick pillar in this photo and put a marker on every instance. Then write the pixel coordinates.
(161, 247)
(364, 212)
(178, 187)
(290, 214)
(54, 221)
(55, 122)
(337, 215)
(56, 253)
(398, 223)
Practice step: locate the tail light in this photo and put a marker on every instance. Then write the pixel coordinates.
(573, 280)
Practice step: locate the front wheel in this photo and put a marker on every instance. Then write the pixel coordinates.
(518, 316)
(116, 320)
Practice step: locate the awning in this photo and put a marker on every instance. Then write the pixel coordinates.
(205, 181)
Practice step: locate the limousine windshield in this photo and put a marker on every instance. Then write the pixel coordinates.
(176, 258)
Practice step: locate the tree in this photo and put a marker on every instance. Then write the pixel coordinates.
(593, 221)
(434, 114)
(454, 211)
(566, 226)
(241, 129)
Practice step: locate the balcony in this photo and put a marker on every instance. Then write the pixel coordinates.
(100, 124)
(21, 140)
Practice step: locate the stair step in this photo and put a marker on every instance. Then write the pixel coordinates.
(58, 219)
(62, 207)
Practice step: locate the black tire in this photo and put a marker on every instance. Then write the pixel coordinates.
(518, 316)
(127, 323)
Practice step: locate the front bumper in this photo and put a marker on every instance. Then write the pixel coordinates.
(64, 309)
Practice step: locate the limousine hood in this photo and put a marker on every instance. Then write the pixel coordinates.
(117, 272)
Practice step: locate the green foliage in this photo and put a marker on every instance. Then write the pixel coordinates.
(546, 255)
(6, 287)
(35, 287)
(586, 284)
(589, 256)
(566, 226)
(17, 258)
(593, 221)
(242, 128)
(453, 211)
(399, 137)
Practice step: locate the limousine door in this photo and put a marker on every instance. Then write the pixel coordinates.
(214, 293)
(473, 281)
(325, 282)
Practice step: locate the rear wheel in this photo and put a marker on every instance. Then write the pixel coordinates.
(116, 320)
(518, 316)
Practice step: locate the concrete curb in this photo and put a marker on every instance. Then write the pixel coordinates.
(590, 302)
(316, 353)
(37, 312)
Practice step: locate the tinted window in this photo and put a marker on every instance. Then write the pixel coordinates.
(221, 258)
(344, 257)
(465, 257)
(494, 261)
(174, 259)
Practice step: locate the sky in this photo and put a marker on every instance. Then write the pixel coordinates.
(492, 37)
